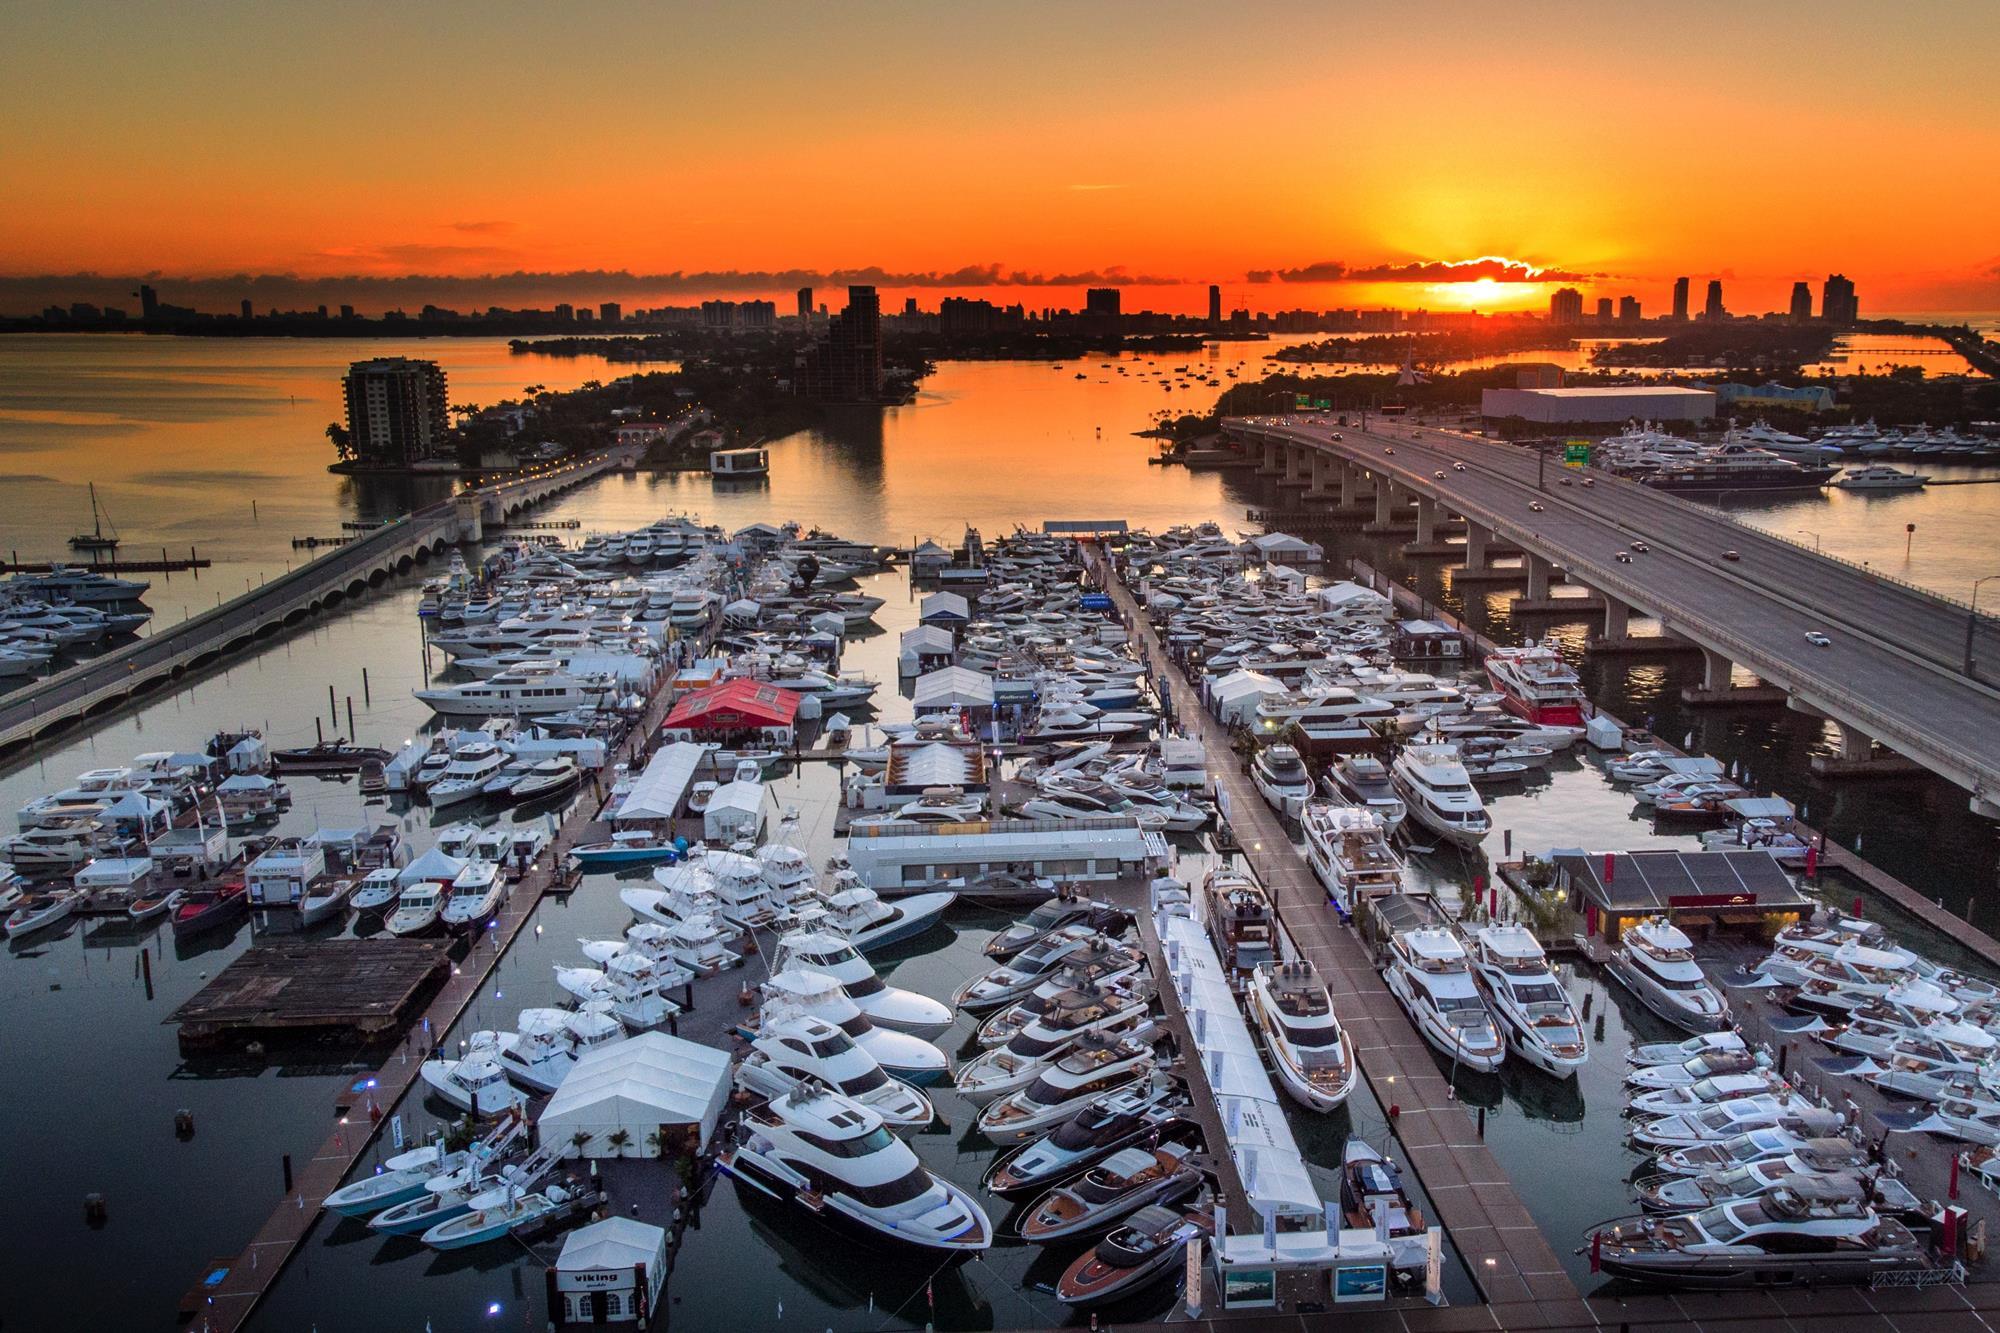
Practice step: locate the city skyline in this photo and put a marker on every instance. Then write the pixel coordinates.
(971, 155)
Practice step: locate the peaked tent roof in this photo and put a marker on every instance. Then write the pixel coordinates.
(736, 703)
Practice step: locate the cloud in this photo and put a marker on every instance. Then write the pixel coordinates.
(482, 228)
(1491, 267)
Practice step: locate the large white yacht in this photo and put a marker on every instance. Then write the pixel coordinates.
(1348, 848)
(1281, 775)
(1363, 780)
(546, 1043)
(886, 1006)
(1041, 1041)
(1540, 1023)
(1093, 1066)
(1440, 795)
(800, 991)
(833, 1154)
(1431, 978)
(1312, 1053)
(524, 691)
(1329, 717)
(804, 1049)
(1655, 961)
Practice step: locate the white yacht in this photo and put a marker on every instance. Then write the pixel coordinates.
(475, 897)
(1688, 1098)
(1091, 1068)
(1440, 795)
(417, 909)
(857, 912)
(1348, 848)
(1540, 1023)
(1880, 477)
(836, 1156)
(742, 895)
(1281, 775)
(546, 1043)
(1329, 717)
(1717, 1121)
(1040, 1042)
(1655, 961)
(465, 777)
(521, 692)
(887, 1006)
(801, 991)
(1010, 981)
(804, 1049)
(1311, 1052)
(1431, 978)
(1363, 780)
(475, 1082)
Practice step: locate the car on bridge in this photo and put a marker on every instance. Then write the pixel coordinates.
(1439, 474)
(1535, 505)
(1818, 640)
(1731, 555)
(1457, 467)
(1641, 547)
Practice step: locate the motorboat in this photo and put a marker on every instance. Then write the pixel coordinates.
(546, 778)
(1439, 794)
(1655, 961)
(870, 923)
(1239, 918)
(406, 1176)
(210, 907)
(418, 908)
(1049, 915)
(1431, 977)
(60, 847)
(1537, 684)
(803, 1049)
(887, 1006)
(497, 1213)
(151, 903)
(1093, 1066)
(1686, 1194)
(475, 897)
(1717, 1120)
(40, 911)
(1039, 1043)
(1280, 774)
(1136, 1116)
(1880, 477)
(1311, 1053)
(631, 987)
(1536, 1016)
(465, 778)
(1708, 1064)
(1148, 1246)
(326, 899)
(1119, 980)
(1790, 1134)
(377, 889)
(836, 1157)
(1691, 1098)
(1012, 980)
(1127, 1180)
(742, 897)
(1348, 849)
(1809, 1232)
(633, 847)
(1679, 1052)
(475, 1082)
(802, 991)
(1372, 1198)
(935, 805)
(1363, 780)
(546, 1044)
(338, 755)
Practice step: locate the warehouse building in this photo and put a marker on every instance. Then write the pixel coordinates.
(1625, 402)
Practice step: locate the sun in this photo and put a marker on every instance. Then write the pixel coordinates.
(1482, 293)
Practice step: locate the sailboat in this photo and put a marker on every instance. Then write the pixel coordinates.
(97, 539)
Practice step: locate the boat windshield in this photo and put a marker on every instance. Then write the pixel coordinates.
(861, 1145)
(867, 1082)
(890, 1193)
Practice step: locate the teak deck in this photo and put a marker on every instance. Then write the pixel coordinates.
(366, 987)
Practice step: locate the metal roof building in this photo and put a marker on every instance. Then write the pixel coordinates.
(1625, 402)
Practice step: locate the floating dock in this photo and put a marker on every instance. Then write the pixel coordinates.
(365, 988)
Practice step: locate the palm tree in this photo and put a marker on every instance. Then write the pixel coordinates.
(618, 1139)
(657, 1141)
(579, 1139)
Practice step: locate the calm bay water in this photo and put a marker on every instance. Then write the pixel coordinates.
(182, 435)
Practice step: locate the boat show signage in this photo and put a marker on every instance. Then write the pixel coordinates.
(1701, 900)
(1194, 1249)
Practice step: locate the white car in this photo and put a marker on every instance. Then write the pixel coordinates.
(1817, 639)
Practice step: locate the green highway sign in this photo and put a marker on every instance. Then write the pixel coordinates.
(1576, 454)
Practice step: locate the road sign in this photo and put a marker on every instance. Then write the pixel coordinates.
(1576, 453)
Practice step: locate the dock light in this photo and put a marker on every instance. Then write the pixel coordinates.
(371, 1082)
(493, 1307)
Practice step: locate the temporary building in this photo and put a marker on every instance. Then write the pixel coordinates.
(609, 1272)
(639, 1085)
(733, 708)
(249, 755)
(1281, 548)
(1233, 698)
(925, 648)
(658, 792)
(735, 810)
(951, 688)
(944, 608)
(433, 866)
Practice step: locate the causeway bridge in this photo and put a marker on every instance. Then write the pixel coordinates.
(104, 683)
(1904, 668)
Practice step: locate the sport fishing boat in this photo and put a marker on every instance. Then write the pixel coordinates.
(804, 1050)
(546, 1044)
(1127, 1180)
(834, 1156)
(1093, 1066)
(1148, 1246)
(870, 923)
(1311, 1053)
(1142, 1116)
(496, 1213)
(1431, 977)
(1810, 1232)
(476, 1082)
(1537, 684)
(1348, 848)
(1655, 961)
(404, 1177)
(633, 847)
(802, 991)
(1535, 1013)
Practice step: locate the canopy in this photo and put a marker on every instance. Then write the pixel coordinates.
(944, 606)
(926, 639)
(735, 809)
(432, 865)
(953, 687)
(658, 791)
(733, 705)
(637, 1086)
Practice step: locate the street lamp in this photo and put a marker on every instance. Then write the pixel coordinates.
(1809, 533)
(1972, 618)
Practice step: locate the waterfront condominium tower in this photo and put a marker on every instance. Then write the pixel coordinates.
(1713, 309)
(1214, 306)
(845, 366)
(1566, 306)
(1836, 302)
(396, 410)
(1801, 302)
(1680, 300)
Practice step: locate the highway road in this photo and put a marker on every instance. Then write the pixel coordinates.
(1892, 670)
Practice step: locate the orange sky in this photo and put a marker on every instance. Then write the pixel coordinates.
(1197, 142)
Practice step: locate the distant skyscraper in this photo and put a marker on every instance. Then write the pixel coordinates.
(1566, 306)
(1214, 305)
(910, 306)
(1681, 300)
(395, 410)
(565, 311)
(846, 365)
(805, 305)
(149, 301)
(1713, 308)
(1603, 310)
(1801, 302)
(610, 312)
(1101, 301)
(248, 313)
(1628, 310)
(1837, 304)
(347, 312)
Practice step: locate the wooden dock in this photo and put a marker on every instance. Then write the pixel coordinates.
(368, 988)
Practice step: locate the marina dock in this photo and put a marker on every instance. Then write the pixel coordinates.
(364, 988)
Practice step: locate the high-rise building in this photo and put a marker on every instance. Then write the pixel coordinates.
(846, 365)
(1566, 306)
(805, 305)
(565, 312)
(1101, 301)
(1837, 304)
(1801, 303)
(1628, 310)
(1712, 308)
(758, 314)
(347, 312)
(248, 313)
(1680, 300)
(395, 410)
(1214, 306)
(610, 312)
(149, 301)
(1603, 310)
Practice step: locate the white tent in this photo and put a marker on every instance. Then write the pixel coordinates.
(944, 608)
(1233, 698)
(657, 793)
(433, 866)
(611, 1271)
(736, 810)
(1281, 548)
(952, 687)
(637, 1085)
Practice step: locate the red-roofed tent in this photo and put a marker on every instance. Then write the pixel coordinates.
(732, 709)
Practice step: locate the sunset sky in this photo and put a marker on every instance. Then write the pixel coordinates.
(1180, 143)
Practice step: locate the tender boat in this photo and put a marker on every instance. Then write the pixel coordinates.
(835, 1157)
(1093, 1066)
(1311, 1053)
(41, 911)
(1147, 1247)
(1655, 961)
(154, 902)
(1535, 1013)
(1372, 1198)
(1141, 1116)
(1809, 1232)
(1431, 977)
(1128, 1179)
(211, 907)
(804, 1050)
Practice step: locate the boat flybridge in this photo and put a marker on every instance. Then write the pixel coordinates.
(1348, 848)
(1655, 961)
(1431, 977)
(798, 1051)
(1535, 1013)
(1312, 1053)
(1363, 780)
(836, 1157)
(1439, 794)
(1281, 776)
